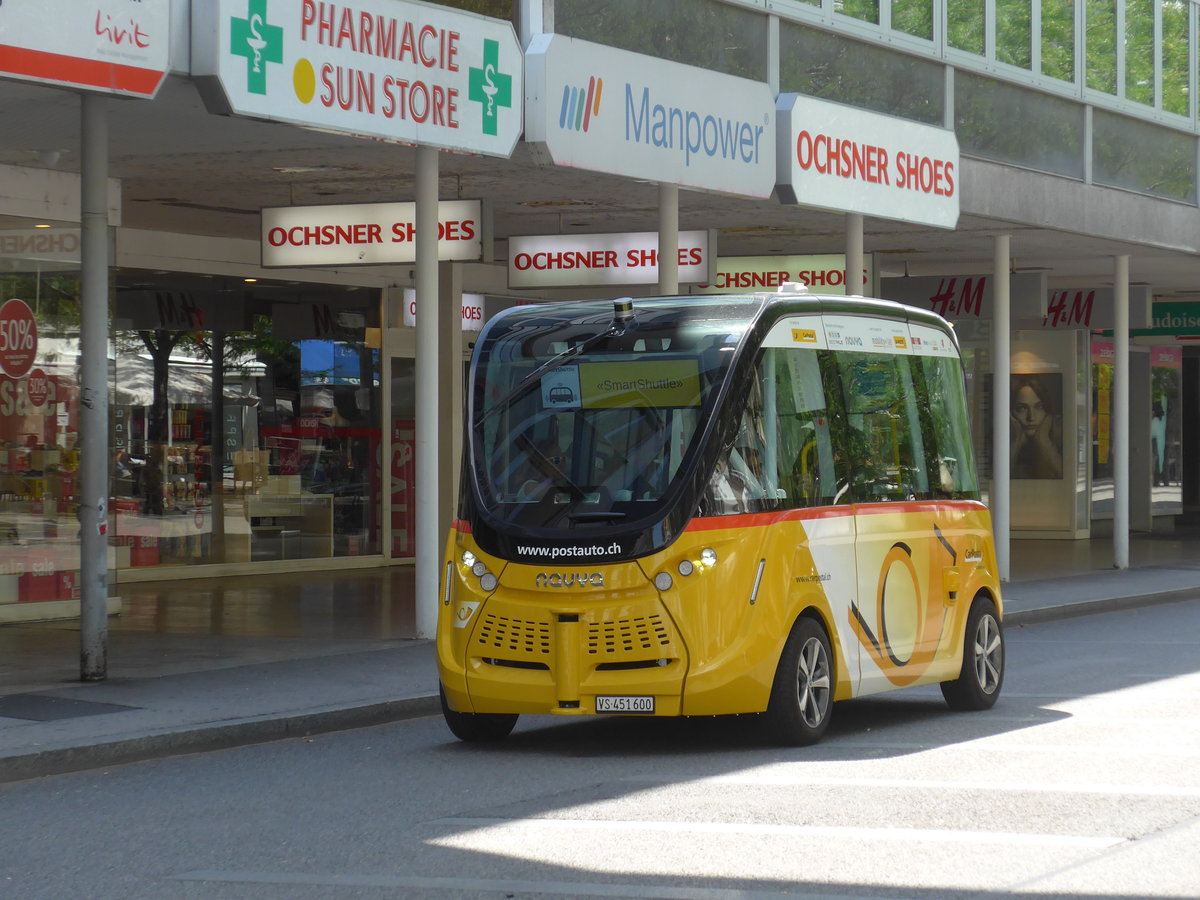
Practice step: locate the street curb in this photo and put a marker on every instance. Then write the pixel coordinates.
(1090, 607)
(217, 736)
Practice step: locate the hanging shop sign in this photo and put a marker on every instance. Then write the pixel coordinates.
(849, 160)
(365, 234)
(968, 300)
(474, 310)
(583, 260)
(606, 110)
(18, 338)
(823, 273)
(105, 46)
(397, 70)
(60, 245)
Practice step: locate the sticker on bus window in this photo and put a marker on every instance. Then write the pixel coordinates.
(560, 388)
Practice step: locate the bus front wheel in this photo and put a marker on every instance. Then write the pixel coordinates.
(477, 727)
(801, 701)
(982, 674)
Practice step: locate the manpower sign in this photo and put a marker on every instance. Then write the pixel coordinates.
(606, 110)
(849, 160)
(391, 69)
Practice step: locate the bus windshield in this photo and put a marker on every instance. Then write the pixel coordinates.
(578, 421)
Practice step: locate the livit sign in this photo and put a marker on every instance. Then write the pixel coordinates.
(391, 69)
(598, 259)
(364, 234)
(838, 158)
(108, 46)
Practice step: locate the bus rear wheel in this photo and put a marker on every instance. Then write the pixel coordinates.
(982, 674)
(801, 703)
(477, 727)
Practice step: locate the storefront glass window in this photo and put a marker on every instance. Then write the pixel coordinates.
(1166, 430)
(1058, 39)
(1050, 137)
(964, 25)
(831, 67)
(1175, 57)
(913, 17)
(246, 421)
(1143, 157)
(1014, 32)
(39, 423)
(702, 33)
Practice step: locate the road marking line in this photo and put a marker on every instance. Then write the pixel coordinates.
(910, 835)
(495, 886)
(1032, 787)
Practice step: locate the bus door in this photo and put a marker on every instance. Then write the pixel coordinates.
(897, 617)
(806, 477)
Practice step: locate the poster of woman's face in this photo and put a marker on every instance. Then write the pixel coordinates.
(1036, 429)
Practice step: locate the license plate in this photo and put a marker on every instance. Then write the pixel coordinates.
(624, 704)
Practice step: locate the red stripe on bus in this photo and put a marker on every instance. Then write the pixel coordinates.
(760, 520)
(73, 70)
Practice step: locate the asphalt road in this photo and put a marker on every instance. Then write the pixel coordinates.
(1084, 781)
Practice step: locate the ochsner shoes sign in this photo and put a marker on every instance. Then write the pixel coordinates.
(391, 69)
(849, 160)
(606, 110)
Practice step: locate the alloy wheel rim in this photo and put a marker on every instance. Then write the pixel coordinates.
(813, 682)
(989, 658)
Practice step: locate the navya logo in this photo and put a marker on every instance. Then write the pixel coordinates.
(580, 107)
(569, 579)
(259, 42)
(689, 132)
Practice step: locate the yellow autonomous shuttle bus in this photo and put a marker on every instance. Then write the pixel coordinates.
(696, 506)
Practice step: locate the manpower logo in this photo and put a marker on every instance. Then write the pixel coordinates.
(579, 106)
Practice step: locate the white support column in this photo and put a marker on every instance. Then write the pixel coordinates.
(428, 537)
(1001, 376)
(668, 238)
(1120, 412)
(93, 401)
(854, 254)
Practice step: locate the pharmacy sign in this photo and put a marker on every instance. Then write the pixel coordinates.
(395, 70)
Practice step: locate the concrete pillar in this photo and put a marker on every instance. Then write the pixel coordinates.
(1120, 412)
(668, 238)
(854, 254)
(93, 400)
(1001, 497)
(429, 537)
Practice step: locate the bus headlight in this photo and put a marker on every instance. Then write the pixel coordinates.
(663, 581)
(468, 559)
(685, 567)
(488, 582)
(479, 569)
(708, 557)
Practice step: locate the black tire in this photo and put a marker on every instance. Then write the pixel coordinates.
(801, 703)
(982, 675)
(477, 727)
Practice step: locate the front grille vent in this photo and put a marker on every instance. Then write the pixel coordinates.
(514, 635)
(627, 635)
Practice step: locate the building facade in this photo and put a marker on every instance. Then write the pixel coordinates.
(263, 370)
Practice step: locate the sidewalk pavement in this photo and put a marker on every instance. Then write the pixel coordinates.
(161, 702)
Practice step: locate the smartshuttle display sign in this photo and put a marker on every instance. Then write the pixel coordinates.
(606, 110)
(365, 234)
(583, 260)
(849, 160)
(107, 46)
(396, 70)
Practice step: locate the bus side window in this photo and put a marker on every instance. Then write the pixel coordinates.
(806, 417)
